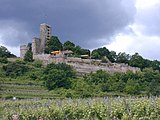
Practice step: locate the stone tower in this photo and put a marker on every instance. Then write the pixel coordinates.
(36, 45)
(45, 35)
(23, 50)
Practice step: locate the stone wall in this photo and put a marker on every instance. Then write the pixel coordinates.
(91, 65)
(83, 66)
(47, 58)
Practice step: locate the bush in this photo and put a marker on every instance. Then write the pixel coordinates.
(3, 60)
(15, 69)
(37, 63)
(58, 75)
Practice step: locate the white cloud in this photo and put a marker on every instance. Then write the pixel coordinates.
(145, 38)
(145, 4)
(147, 46)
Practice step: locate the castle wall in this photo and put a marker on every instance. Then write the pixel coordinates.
(91, 65)
(83, 66)
(47, 58)
(23, 50)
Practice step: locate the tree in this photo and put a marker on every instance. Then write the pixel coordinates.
(53, 44)
(77, 51)
(152, 81)
(132, 87)
(99, 77)
(123, 58)
(155, 65)
(28, 56)
(112, 56)
(58, 75)
(5, 53)
(56, 79)
(29, 46)
(100, 53)
(137, 61)
(68, 45)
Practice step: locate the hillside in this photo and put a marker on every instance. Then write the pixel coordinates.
(78, 77)
(33, 80)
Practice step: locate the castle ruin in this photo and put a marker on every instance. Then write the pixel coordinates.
(82, 66)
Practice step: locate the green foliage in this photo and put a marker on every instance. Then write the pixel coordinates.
(128, 82)
(58, 75)
(99, 77)
(82, 88)
(83, 109)
(5, 53)
(15, 69)
(78, 51)
(56, 79)
(53, 44)
(29, 46)
(104, 54)
(152, 81)
(68, 45)
(3, 60)
(155, 65)
(37, 63)
(100, 53)
(112, 57)
(137, 61)
(132, 87)
(123, 58)
(28, 56)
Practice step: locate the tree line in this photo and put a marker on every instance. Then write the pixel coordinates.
(103, 54)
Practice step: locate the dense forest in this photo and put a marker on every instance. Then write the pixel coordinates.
(62, 79)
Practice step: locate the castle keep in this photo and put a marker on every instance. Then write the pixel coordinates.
(82, 66)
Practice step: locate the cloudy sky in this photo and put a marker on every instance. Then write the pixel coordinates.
(121, 25)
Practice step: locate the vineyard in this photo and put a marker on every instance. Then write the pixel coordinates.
(83, 109)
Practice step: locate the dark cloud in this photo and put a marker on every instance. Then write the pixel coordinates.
(84, 22)
(14, 33)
